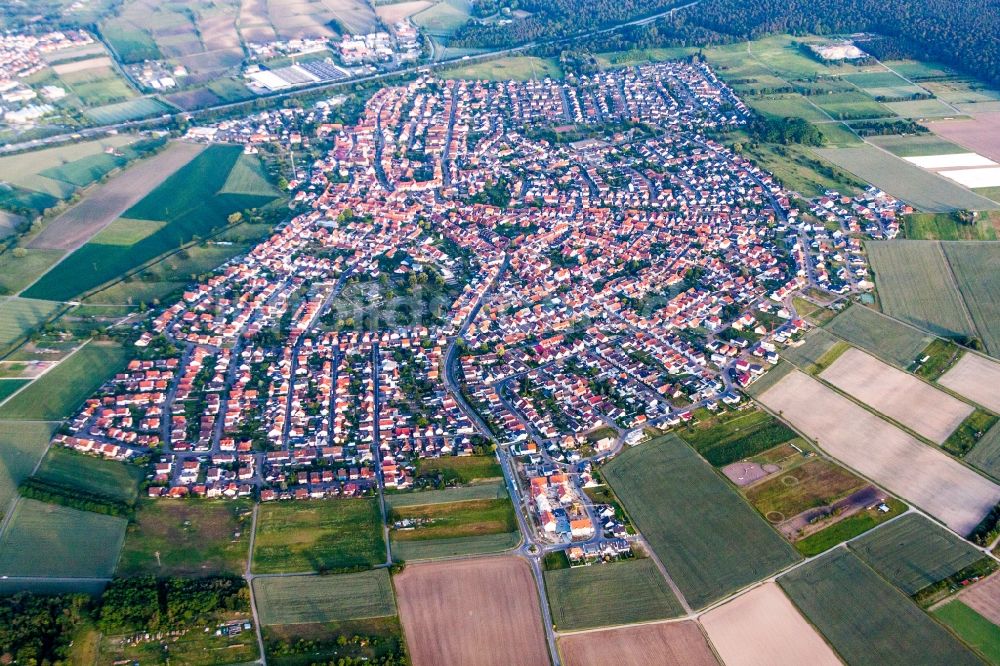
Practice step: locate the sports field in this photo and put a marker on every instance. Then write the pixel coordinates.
(492, 600)
(976, 378)
(673, 644)
(22, 444)
(56, 394)
(902, 397)
(190, 202)
(318, 535)
(892, 458)
(602, 595)
(75, 471)
(925, 190)
(890, 340)
(765, 619)
(307, 599)
(49, 540)
(20, 316)
(729, 437)
(189, 538)
(865, 619)
(912, 553)
(710, 541)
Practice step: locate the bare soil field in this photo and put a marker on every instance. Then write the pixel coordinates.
(900, 396)
(916, 472)
(980, 134)
(666, 644)
(73, 228)
(81, 65)
(762, 628)
(480, 612)
(745, 473)
(977, 378)
(819, 518)
(984, 598)
(400, 10)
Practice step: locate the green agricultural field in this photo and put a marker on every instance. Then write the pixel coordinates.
(947, 226)
(976, 267)
(56, 394)
(986, 454)
(817, 346)
(310, 599)
(189, 203)
(22, 445)
(915, 145)
(367, 641)
(404, 551)
(16, 273)
(913, 553)
(890, 340)
(49, 540)
(89, 586)
(248, 177)
(318, 535)
(455, 528)
(460, 469)
(923, 189)
(608, 594)
(977, 632)
(865, 619)
(443, 18)
(517, 68)
(708, 538)
(89, 474)
(815, 483)
(129, 42)
(479, 491)
(851, 106)
(120, 112)
(189, 538)
(23, 201)
(20, 316)
(9, 387)
(790, 105)
(919, 108)
(914, 284)
(733, 436)
(883, 79)
(126, 232)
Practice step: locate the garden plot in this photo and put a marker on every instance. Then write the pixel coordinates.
(892, 458)
(900, 396)
(977, 378)
(761, 628)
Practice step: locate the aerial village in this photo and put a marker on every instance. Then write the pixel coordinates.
(468, 270)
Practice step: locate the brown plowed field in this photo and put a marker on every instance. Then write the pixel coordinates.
(665, 644)
(476, 612)
(984, 598)
(762, 628)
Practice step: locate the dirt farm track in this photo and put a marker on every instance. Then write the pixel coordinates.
(479, 612)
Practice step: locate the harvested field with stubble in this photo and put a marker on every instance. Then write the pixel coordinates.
(672, 643)
(892, 458)
(761, 628)
(75, 227)
(976, 378)
(902, 397)
(480, 612)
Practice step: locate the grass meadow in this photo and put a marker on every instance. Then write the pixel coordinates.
(337, 597)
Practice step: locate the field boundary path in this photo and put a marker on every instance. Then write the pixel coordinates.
(248, 577)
